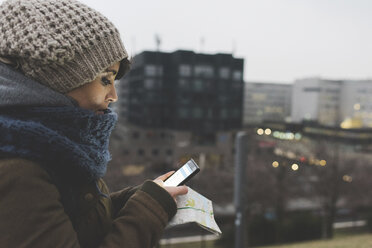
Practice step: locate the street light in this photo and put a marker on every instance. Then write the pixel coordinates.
(260, 131)
(294, 167)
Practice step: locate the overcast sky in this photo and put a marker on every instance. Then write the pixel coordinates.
(280, 40)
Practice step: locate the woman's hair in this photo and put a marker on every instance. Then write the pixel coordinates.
(125, 65)
(9, 61)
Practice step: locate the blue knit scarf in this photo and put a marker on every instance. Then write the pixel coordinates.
(67, 141)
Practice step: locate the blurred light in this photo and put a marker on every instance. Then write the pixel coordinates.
(302, 159)
(275, 164)
(267, 131)
(317, 161)
(278, 151)
(260, 131)
(291, 155)
(297, 136)
(355, 122)
(132, 170)
(347, 178)
(294, 167)
(276, 134)
(357, 106)
(322, 162)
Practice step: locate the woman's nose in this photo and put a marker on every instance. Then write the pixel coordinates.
(112, 95)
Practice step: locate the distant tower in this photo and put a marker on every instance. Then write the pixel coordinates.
(157, 42)
(233, 47)
(202, 42)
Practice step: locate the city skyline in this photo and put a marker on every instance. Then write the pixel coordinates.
(280, 41)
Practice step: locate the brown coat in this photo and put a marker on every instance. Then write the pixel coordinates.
(32, 215)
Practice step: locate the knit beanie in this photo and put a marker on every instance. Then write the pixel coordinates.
(62, 44)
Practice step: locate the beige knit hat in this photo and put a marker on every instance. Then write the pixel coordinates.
(62, 44)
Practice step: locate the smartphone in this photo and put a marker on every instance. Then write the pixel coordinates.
(183, 174)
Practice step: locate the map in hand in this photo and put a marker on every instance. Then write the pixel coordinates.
(193, 207)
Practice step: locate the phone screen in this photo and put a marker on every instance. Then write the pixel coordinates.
(183, 174)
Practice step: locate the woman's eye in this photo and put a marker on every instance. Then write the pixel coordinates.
(105, 81)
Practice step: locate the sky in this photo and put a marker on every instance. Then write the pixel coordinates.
(280, 40)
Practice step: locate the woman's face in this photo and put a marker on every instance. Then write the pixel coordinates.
(98, 94)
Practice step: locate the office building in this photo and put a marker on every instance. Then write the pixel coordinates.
(266, 102)
(184, 91)
(316, 100)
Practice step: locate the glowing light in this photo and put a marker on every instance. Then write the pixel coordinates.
(291, 155)
(322, 162)
(294, 167)
(276, 134)
(275, 164)
(287, 135)
(356, 106)
(347, 178)
(278, 151)
(260, 131)
(267, 131)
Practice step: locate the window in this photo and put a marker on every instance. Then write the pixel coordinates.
(141, 152)
(198, 85)
(210, 113)
(225, 72)
(237, 75)
(204, 70)
(236, 113)
(223, 113)
(184, 70)
(135, 135)
(150, 83)
(183, 113)
(153, 70)
(312, 89)
(155, 152)
(236, 85)
(183, 83)
(197, 112)
(222, 99)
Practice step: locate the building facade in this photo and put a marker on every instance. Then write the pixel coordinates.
(339, 103)
(356, 104)
(316, 100)
(266, 102)
(184, 91)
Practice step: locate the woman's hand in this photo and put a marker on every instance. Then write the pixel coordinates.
(173, 191)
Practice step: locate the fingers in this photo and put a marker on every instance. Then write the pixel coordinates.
(176, 191)
(159, 182)
(165, 176)
(173, 191)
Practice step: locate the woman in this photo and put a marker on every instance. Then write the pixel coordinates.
(58, 63)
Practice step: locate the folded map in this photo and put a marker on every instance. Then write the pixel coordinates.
(193, 207)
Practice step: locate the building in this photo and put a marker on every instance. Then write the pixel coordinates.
(184, 91)
(356, 104)
(317, 100)
(266, 102)
(346, 103)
